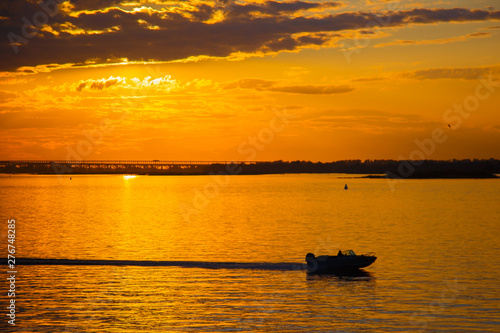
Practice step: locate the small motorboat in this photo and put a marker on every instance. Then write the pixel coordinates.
(343, 261)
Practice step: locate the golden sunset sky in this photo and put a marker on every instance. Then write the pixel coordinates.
(249, 80)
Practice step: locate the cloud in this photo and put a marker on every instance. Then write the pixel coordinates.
(7, 95)
(465, 73)
(437, 41)
(80, 5)
(100, 84)
(266, 85)
(257, 84)
(313, 89)
(275, 8)
(461, 73)
(162, 83)
(187, 30)
(369, 79)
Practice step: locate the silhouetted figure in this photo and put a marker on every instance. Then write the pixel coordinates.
(340, 253)
(345, 187)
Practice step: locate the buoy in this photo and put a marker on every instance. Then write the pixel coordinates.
(345, 187)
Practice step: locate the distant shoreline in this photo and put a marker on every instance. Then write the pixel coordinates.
(382, 176)
(390, 169)
(492, 176)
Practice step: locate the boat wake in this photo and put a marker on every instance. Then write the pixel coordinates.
(149, 263)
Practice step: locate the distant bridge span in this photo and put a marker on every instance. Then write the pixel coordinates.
(116, 166)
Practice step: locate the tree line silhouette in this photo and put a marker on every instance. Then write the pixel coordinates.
(465, 168)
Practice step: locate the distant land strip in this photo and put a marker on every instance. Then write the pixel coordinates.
(466, 168)
(150, 263)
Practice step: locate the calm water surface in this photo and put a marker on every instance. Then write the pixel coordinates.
(436, 241)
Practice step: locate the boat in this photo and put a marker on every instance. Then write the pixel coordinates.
(344, 261)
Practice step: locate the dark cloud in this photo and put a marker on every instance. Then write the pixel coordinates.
(308, 40)
(422, 15)
(478, 34)
(111, 34)
(282, 44)
(203, 13)
(94, 4)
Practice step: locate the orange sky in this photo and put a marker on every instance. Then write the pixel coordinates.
(250, 80)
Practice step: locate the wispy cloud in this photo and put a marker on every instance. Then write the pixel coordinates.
(275, 86)
(464, 73)
(313, 89)
(455, 73)
(436, 41)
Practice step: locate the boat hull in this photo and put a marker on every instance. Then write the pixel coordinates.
(332, 264)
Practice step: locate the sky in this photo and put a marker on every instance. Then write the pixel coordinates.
(251, 80)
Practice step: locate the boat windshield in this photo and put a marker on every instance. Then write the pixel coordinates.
(348, 253)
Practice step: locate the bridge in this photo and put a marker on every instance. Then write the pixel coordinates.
(119, 166)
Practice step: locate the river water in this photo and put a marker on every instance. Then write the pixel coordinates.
(437, 243)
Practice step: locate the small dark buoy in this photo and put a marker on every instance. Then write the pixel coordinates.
(70, 178)
(449, 125)
(345, 187)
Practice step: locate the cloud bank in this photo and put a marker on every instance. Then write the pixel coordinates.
(101, 32)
